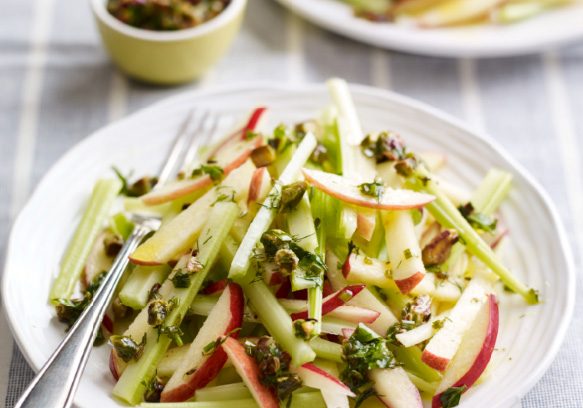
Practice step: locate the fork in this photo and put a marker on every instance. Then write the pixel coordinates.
(55, 384)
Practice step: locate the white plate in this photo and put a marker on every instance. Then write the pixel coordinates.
(529, 337)
(543, 32)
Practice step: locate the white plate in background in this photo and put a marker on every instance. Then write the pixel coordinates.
(543, 32)
(529, 337)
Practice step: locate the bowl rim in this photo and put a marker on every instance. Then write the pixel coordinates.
(234, 8)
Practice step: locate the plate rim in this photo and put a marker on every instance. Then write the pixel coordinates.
(426, 48)
(422, 108)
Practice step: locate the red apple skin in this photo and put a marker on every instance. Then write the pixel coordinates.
(249, 372)
(433, 361)
(113, 365)
(327, 289)
(347, 191)
(328, 377)
(251, 125)
(257, 181)
(483, 357)
(215, 287)
(333, 301)
(211, 366)
(408, 284)
(284, 290)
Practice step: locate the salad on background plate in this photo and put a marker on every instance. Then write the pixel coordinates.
(306, 264)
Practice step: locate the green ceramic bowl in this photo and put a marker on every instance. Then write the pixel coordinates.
(168, 57)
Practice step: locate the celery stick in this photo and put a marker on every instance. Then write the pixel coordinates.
(326, 349)
(514, 11)
(492, 191)
(121, 225)
(299, 400)
(266, 214)
(104, 193)
(422, 385)
(410, 357)
(371, 6)
(278, 322)
(228, 251)
(130, 387)
(301, 225)
(136, 289)
(223, 392)
(448, 215)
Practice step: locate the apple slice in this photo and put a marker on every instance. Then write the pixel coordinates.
(199, 366)
(403, 250)
(474, 352)
(366, 298)
(354, 314)
(347, 190)
(171, 361)
(259, 186)
(361, 268)
(453, 12)
(334, 391)
(254, 122)
(365, 224)
(333, 301)
(445, 343)
(395, 389)
(249, 371)
(98, 260)
(179, 234)
(215, 287)
(272, 275)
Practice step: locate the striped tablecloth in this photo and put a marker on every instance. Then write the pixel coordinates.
(57, 86)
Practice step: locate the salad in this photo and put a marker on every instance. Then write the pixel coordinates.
(304, 265)
(439, 13)
(165, 15)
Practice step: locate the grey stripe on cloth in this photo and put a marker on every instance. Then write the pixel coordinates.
(509, 97)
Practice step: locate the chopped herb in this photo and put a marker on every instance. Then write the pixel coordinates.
(451, 397)
(153, 293)
(136, 189)
(478, 220)
(213, 345)
(282, 138)
(69, 310)
(363, 351)
(438, 324)
(250, 135)
(225, 197)
(119, 309)
(274, 366)
(398, 328)
(214, 171)
(173, 332)
(375, 189)
(407, 254)
(181, 279)
(154, 389)
(126, 348)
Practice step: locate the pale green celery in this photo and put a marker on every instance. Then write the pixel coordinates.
(240, 266)
(422, 385)
(492, 191)
(136, 289)
(371, 6)
(130, 387)
(448, 215)
(301, 225)
(315, 295)
(299, 281)
(347, 222)
(410, 357)
(278, 322)
(121, 225)
(228, 251)
(330, 138)
(283, 159)
(392, 296)
(373, 247)
(514, 11)
(299, 400)
(223, 392)
(203, 304)
(94, 218)
(228, 375)
(326, 349)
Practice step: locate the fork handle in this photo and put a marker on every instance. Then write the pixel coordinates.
(55, 384)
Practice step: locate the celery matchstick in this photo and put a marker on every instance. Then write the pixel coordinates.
(131, 385)
(95, 216)
(136, 289)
